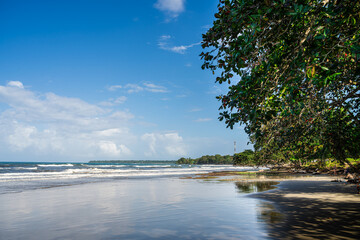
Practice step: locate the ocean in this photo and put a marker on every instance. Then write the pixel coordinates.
(22, 176)
(129, 200)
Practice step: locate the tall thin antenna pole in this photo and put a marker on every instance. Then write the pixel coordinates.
(234, 147)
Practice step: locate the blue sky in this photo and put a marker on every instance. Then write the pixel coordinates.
(83, 80)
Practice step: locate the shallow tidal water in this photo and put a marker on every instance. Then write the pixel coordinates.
(155, 208)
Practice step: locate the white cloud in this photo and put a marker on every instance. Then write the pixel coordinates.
(135, 88)
(120, 116)
(178, 49)
(15, 84)
(112, 150)
(114, 87)
(167, 144)
(63, 106)
(163, 39)
(196, 110)
(172, 8)
(155, 88)
(150, 138)
(120, 100)
(49, 127)
(203, 120)
(27, 106)
(164, 44)
(51, 124)
(110, 132)
(27, 136)
(21, 137)
(113, 102)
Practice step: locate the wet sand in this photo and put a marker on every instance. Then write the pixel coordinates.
(213, 206)
(148, 208)
(301, 206)
(314, 208)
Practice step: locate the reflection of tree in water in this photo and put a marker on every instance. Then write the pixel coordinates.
(252, 187)
(266, 212)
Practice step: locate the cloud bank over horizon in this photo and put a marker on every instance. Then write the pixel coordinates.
(70, 128)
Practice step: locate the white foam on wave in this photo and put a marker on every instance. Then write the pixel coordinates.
(95, 172)
(104, 166)
(56, 165)
(153, 166)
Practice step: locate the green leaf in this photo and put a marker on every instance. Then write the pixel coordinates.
(324, 68)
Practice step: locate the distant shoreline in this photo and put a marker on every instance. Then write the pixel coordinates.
(134, 161)
(157, 162)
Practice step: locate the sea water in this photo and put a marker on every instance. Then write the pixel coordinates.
(125, 201)
(17, 176)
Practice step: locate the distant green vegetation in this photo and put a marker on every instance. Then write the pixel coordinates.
(214, 159)
(246, 157)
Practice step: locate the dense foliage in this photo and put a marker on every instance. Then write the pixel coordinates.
(293, 70)
(214, 159)
(245, 158)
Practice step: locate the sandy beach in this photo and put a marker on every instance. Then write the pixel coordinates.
(314, 208)
(301, 206)
(144, 208)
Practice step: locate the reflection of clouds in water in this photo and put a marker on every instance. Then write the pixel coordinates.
(110, 199)
(222, 236)
(137, 209)
(23, 207)
(167, 192)
(158, 233)
(227, 227)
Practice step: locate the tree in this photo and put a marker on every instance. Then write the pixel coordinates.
(217, 159)
(244, 158)
(293, 70)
